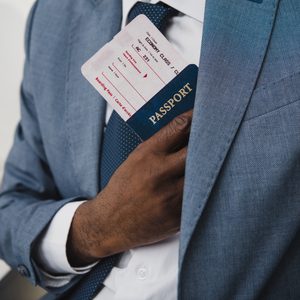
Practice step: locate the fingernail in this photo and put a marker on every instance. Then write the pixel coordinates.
(182, 122)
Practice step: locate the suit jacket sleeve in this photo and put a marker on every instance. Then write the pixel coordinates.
(29, 197)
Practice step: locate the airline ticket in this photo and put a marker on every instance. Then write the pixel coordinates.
(132, 68)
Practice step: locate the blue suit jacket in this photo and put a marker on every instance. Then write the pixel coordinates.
(240, 231)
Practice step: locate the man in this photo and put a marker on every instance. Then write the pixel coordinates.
(239, 217)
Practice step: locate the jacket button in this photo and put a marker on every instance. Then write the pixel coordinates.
(23, 271)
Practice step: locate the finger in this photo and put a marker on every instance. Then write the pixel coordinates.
(173, 134)
(177, 201)
(177, 162)
(173, 191)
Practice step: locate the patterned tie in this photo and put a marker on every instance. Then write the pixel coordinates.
(119, 141)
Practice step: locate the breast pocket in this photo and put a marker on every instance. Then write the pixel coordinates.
(272, 97)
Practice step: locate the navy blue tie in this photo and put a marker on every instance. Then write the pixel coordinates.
(119, 141)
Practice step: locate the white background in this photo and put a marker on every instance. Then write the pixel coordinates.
(13, 14)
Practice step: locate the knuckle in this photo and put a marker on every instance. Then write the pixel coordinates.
(138, 154)
(139, 147)
(183, 154)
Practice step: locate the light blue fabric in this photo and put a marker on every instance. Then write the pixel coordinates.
(240, 233)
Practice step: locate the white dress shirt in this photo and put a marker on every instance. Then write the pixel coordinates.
(143, 273)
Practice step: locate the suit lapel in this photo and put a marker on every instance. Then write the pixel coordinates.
(235, 40)
(95, 26)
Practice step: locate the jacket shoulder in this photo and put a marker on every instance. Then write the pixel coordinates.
(46, 8)
(50, 22)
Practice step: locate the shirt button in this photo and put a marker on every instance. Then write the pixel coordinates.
(142, 273)
(23, 271)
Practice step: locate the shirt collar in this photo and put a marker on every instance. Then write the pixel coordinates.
(191, 8)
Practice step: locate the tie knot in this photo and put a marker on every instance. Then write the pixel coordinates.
(158, 13)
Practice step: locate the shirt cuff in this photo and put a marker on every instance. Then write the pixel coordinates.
(51, 252)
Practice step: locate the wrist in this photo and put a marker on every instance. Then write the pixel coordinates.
(79, 245)
(92, 235)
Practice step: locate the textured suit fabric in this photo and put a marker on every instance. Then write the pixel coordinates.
(240, 235)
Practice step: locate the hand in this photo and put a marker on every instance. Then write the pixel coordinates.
(142, 202)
